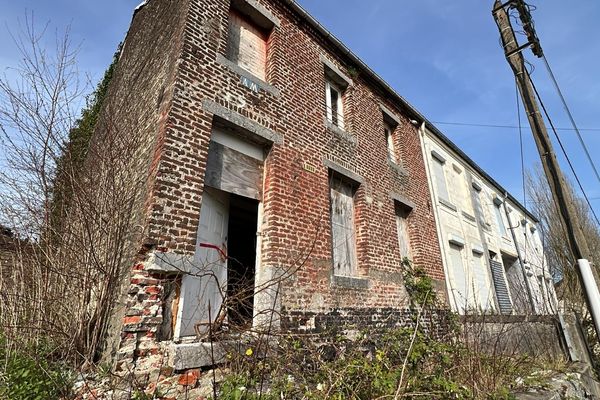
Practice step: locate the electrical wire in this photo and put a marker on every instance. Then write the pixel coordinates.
(568, 111)
(562, 147)
(505, 126)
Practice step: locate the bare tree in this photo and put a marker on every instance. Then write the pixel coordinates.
(557, 252)
(70, 203)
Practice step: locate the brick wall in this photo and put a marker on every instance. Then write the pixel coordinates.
(296, 237)
(133, 124)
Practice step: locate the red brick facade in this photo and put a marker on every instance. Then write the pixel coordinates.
(191, 82)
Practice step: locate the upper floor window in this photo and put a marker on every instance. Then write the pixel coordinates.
(389, 138)
(402, 214)
(335, 105)
(499, 218)
(247, 44)
(440, 177)
(480, 212)
(336, 83)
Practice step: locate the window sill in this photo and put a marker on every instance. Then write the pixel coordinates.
(205, 354)
(397, 168)
(253, 79)
(336, 130)
(170, 263)
(447, 204)
(350, 282)
(469, 217)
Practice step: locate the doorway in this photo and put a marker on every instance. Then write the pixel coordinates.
(241, 265)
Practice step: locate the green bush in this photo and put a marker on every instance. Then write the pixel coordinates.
(31, 373)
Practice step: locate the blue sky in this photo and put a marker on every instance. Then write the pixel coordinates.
(444, 57)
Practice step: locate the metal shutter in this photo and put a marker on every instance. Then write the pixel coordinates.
(502, 293)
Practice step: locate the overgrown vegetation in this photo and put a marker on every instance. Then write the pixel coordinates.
(56, 293)
(404, 362)
(396, 363)
(32, 372)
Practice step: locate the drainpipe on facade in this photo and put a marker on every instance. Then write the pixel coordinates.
(521, 262)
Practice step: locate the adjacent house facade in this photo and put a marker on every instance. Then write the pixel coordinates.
(492, 250)
(285, 182)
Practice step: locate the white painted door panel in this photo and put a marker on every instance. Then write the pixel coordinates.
(205, 286)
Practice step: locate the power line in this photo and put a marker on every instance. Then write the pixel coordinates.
(507, 126)
(566, 107)
(587, 200)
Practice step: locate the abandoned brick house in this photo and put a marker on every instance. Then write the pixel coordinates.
(285, 179)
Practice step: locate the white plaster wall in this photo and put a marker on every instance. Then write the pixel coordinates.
(459, 221)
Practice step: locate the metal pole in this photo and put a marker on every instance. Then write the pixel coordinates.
(591, 290)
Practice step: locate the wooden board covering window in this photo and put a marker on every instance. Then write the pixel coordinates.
(247, 44)
(402, 214)
(233, 172)
(342, 228)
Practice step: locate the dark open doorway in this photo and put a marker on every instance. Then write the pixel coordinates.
(241, 265)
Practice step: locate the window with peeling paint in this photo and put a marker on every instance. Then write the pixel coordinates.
(342, 227)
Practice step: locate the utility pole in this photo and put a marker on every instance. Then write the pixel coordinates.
(563, 197)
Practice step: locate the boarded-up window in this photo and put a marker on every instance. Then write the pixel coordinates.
(499, 219)
(402, 213)
(481, 283)
(342, 228)
(440, 179)
(460, 286)
(479, 211)
(247, 44)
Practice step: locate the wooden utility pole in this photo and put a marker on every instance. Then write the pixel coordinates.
(562, 196)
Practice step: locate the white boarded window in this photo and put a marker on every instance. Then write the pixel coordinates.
(402, 214)
(499, 219)
(481, 284)
(342, 228)
(247, 44)
(389, 138)
(334, 103)
(478, 205)
(460, 285)
(440, 179)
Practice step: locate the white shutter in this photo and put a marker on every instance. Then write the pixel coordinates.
(481, 283)
(440, 179)
(499, 219)
(459, 283)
